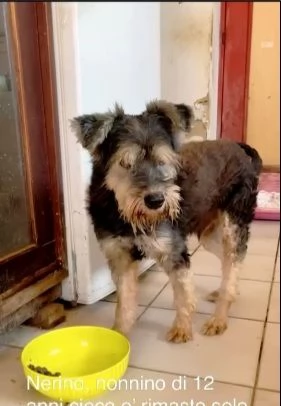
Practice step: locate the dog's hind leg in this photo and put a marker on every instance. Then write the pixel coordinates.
(233, 249)
(212, 241)
(118, 252)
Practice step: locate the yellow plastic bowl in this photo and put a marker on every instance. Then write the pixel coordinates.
(90, 360)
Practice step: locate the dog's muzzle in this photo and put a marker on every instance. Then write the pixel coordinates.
(154, 200)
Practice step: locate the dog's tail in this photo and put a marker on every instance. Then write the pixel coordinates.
(254, 155)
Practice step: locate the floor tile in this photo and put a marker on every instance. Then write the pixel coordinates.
(255, 267)
(262, 246)
(13, 384)
(265, 229)
(100, 314)
(264, 238)
(220, 356)
(265, 398)
(250, 304)
(20, 336)
(177, 390)
(269, 376)
(150, 284)
(274, 306)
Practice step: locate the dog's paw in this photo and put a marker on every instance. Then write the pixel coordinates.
(179, 334)
(213, 296)
(214, 326)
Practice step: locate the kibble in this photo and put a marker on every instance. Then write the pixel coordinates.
(43, 371)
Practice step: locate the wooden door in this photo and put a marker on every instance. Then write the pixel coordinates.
(31, 221)
(249, 79)
(249, 90)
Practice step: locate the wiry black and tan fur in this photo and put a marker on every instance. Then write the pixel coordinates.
(149, 192)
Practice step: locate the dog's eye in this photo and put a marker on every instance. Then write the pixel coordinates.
(125, 165)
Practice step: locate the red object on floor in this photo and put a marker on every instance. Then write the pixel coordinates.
(269, 182)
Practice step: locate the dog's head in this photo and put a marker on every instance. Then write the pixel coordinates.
(138, 155)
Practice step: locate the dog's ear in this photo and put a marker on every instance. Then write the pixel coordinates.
(186, 116)
(180, 117)
(92, 129)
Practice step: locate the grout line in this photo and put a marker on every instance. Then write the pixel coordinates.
(195, 250)
(265, 324)
(273, 322)
(144, 310)
(240, 279)
(276, 260)
(269, 390)
(151, 306)
(155, 297)
(192, 376)
(208, 314)
(158, 294)
(252, 254)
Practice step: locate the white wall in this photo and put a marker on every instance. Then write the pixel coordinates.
(186, 39)
(105, 53)
(119, 59)
(119, 54)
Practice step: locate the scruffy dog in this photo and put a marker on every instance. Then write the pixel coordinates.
(149, 192)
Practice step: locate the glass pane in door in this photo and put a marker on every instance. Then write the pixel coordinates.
(15, 228)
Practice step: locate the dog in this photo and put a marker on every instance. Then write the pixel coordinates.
(150, 191)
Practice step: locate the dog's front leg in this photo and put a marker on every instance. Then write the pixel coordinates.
(184, 300)
(126, 284)
(168, 248)
(124, 274)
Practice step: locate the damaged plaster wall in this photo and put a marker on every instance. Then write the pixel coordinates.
(186, 40)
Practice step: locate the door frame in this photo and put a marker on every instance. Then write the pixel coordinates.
(48, 72)
(234, 69)
(234, 72)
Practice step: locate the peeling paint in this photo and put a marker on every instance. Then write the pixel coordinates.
(201, 109)
(201, 122)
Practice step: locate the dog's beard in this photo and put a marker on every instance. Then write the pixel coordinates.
(131, 204)
(142, 218)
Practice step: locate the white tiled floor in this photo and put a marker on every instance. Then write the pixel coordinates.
(244, 361)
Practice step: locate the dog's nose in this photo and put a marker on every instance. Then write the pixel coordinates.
(154, 200)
